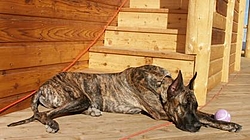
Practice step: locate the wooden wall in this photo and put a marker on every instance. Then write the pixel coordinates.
(40, 38)
(234, 37)
(224, 41)
(217, 46)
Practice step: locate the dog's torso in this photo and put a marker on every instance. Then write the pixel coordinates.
(131, 91)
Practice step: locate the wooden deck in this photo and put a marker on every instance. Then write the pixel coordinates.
(234, 96)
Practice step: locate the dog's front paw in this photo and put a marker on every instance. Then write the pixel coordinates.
(52, 126)
(95, 112)
(235, 127)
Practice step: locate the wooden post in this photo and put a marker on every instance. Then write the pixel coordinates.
(240, 35)
(227, 43)
(198, 41)
(247, 50)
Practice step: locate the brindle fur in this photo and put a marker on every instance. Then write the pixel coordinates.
(149, 89)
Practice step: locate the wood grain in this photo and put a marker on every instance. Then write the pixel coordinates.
(242, 8)
(40, 38)
(27, 29)
(218, 36)
(215, 67)
(90, 10)
(39, 54)
(198, 41)
(174, 4)
(216, 52)
(141, 52)
(18, 81)
(234, 38)
(143, 20)
(144, 39)
(221, 7)
(13, 98)
(219, 21)
(228, 38)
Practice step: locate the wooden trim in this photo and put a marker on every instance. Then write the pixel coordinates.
(242, 8)
(198, 41)
(247, 50)
(148, 53)
(146, 30)
(228, 37)
(144, 10)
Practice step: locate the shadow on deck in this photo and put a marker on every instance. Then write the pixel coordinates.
(234, 96)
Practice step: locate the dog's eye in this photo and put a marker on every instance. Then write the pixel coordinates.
(158, 83)
(185, 104)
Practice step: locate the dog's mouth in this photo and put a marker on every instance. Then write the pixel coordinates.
(188, 123)
(189, 127)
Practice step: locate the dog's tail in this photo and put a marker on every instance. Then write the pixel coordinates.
(31, 119)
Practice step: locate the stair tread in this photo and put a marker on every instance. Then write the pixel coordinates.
(140, 52)
(151, 10)
(146, 30)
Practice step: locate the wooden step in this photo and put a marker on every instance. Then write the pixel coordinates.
(145, 38)
(150, 10)
(118, 59)
(139, 52)
(146, 30)
(157, 4)
(152, 18)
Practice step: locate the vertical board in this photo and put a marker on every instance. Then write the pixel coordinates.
(228, 38)
(199, 43)
(242, 7)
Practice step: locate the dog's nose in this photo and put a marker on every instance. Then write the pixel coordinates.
(197, 126)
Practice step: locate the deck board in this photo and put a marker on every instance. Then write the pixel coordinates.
(234, 97)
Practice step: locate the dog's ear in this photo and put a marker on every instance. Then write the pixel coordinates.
(176, 85)
(191, 82)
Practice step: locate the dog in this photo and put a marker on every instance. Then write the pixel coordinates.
(146, 89)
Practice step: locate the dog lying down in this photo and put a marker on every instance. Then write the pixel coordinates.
(149, 89)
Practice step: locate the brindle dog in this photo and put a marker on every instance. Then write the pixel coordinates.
(149, 89)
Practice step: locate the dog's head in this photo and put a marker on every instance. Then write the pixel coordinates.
(180, 104)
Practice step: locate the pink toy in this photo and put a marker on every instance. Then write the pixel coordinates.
(222, 115)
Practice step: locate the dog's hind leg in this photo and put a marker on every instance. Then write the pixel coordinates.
(79, 105)
(34, 107)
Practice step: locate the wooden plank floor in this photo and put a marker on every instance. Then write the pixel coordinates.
(234, 96)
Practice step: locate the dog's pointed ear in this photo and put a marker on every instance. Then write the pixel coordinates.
(176, 85)
(191, 82)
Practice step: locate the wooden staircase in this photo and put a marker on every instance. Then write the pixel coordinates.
(146, 34)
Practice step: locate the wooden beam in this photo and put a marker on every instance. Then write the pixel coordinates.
(242, 8)
(227, 43)
(247, 50)
(198, 41)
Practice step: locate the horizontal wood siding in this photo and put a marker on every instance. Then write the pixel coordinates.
(234, 38)
(218, 39)
(40, 38)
